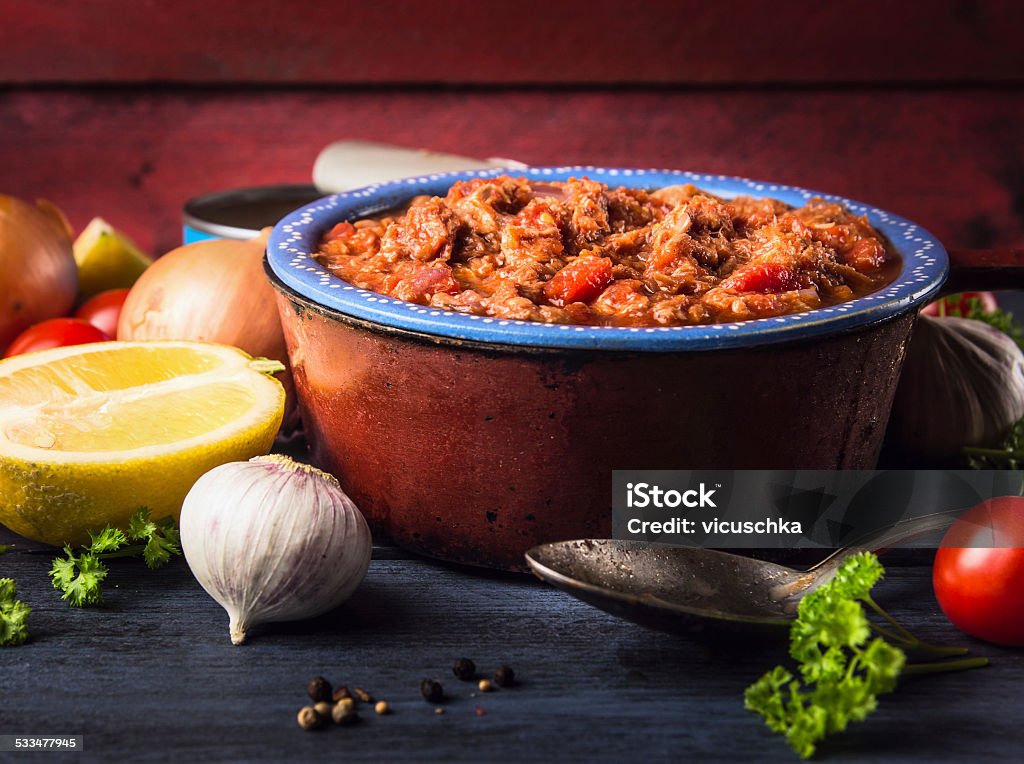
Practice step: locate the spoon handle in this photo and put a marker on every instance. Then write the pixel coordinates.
(877, 541)
(886, 538)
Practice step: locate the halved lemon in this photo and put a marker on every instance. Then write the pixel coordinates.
(91, 433)
(107, 259)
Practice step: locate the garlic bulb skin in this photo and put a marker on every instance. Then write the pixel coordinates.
(962, 385)
(273, 540)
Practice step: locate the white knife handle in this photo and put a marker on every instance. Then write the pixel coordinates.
(345, 165)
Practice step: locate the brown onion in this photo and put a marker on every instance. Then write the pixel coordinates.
(211, 291)
(38, 275)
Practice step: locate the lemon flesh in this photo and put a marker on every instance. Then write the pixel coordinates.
(107, 259)
(91, 433)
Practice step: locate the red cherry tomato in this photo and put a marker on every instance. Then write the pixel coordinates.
(103, 310)
(55, 333)
(958, 304)
(979, 571)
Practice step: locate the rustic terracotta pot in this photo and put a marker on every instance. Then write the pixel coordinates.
(473, 440)
(474, 453)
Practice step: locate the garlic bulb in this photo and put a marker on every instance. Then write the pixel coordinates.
(962, 385)
(273, 540)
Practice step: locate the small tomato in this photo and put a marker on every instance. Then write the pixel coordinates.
(959, 304)
(979, 571)
(103, 310)
(55, 333)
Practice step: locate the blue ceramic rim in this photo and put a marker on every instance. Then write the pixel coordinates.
(296, 237)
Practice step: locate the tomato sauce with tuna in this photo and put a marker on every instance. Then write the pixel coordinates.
(580, 252)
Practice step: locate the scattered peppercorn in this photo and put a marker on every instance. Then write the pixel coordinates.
(432, 691)
(309, 719)
(344, 713)
(505, 676)
(319, 689)
(344, 708)
(464, 669)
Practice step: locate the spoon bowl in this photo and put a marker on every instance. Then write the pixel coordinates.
(698, 591)
(668, 588)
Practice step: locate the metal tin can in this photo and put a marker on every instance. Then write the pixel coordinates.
(241, 213)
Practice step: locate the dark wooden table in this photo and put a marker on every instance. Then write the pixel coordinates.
(152, 676)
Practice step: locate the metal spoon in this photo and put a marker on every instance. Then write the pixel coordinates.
(693, 591)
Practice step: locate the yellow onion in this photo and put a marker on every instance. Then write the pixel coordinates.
(210, 291)
(38, 275)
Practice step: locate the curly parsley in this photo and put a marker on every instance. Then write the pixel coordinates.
(13, 615)
(842, 669)
(80, 576)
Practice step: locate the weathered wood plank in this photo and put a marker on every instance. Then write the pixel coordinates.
(531, 41)
(951, 160)
(152, 677)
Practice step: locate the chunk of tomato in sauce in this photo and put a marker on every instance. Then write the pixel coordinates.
(766, 278)
(339, 231)
(582, 280)
(866, 256)
(425, 283)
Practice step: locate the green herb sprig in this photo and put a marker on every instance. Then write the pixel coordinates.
(1008, 455)
(81, 576)
(842, 668)
(13, 615)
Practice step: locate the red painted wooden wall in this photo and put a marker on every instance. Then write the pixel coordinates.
(490, 42)
(126, 108)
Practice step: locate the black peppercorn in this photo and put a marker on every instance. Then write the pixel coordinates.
(505, 676)
(319, 689)
(340, 694)
(464, 669)
(432, 691)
